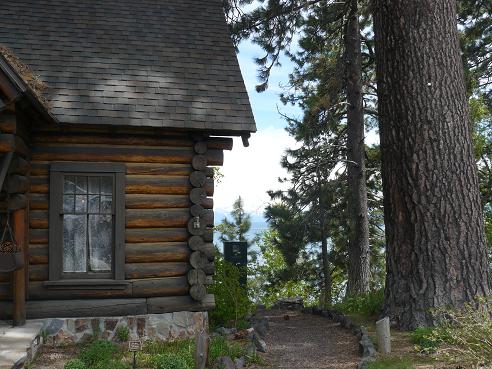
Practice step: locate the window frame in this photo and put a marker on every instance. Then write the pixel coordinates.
(57, 278)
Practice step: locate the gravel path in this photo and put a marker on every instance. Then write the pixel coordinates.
(306, 341)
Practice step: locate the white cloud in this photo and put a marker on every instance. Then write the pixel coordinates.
(251, 171)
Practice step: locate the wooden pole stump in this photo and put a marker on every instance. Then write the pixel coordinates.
(19, 220)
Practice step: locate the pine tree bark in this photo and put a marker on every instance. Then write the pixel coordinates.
(327, 297)
(436, 249)
(358, 249)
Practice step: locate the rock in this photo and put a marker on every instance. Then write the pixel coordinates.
(260, 345)
(244, 333)
(260, 325)
(366, 347)
(290, 303)
(224, 362)
(240, 362)
(52, 326)
(226, 331)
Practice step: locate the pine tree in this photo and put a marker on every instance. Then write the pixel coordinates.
(436, 247)
(237, 228)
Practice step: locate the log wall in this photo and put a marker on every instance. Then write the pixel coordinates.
(158, 206)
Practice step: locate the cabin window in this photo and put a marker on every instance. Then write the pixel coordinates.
(86, 222)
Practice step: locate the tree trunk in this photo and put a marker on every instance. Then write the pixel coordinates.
(326, 269)
(436, 249)
(358, 250)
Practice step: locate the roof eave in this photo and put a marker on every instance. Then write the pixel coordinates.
(18, 89)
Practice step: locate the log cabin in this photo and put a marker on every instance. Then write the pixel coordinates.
(112, 118)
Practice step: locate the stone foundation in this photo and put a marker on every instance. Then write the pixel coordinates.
(163, 327)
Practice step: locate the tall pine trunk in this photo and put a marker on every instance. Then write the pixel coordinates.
(327, 298)
(436, 248)
(359, 268)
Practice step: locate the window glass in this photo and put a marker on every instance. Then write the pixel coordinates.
(74, 243)
(87, 224)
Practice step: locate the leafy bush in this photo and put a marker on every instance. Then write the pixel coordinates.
(231, 298)
(123, 333)
(98, 352)
(170, 361)
(367, 306)
(75, 364)
(425, 340)
(465, 334)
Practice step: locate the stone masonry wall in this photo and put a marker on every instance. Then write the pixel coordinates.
(165, 327)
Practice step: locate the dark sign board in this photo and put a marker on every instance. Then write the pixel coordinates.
(236, 253)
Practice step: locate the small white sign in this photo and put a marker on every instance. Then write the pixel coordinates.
(134, 345)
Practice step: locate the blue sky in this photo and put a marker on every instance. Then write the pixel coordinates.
(250, 172)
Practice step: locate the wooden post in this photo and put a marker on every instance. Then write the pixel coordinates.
(202, 347)
(384, 335)
(19, 220)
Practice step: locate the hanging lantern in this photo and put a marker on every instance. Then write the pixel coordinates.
(11, 257)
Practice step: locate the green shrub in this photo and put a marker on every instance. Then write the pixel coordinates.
(465, 334)
(123, 333)
(231, 299)
(170, 361)
(367, 306)
(75, 364)
(425, 340)
(98, 352)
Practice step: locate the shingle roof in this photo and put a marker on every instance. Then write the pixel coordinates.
(162, 63)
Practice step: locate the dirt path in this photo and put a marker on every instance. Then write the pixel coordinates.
(306, 341)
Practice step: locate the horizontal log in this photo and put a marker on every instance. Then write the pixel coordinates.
(38, 254)
(40, 184)
(165, 185)
(155, 270)
(198, 292)
(171, 286)
(160, 305)
(138, 184)
(198, 195)
(195, 226)
(38, 291)
(198, 178)
(196, 276)
(42, 168)
(209, 250)
(200, 147)
(109, 307)
(104, 139)
(38, 236)
(148, 218)
(121, 154)
(200, 162)
(157, 252)
(38, 201)
(194, 242)
(38, 272)
(85, 308)
(137, 201)
(152, 235)
(159, 287)
(38, 219)
(17, 184)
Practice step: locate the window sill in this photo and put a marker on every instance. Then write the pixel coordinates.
(83, 284)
